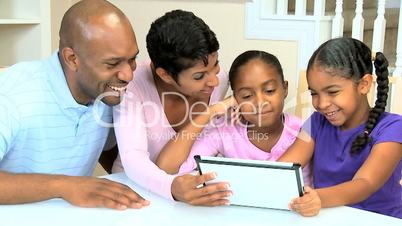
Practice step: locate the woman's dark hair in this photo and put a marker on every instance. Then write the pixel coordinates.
(351, 58)
(178, 39)
(246, 57)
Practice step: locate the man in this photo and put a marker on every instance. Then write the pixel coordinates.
(50, 139)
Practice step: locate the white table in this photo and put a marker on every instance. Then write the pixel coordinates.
(164, 212)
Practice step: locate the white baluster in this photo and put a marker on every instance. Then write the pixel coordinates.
(398, 63)
(358, 21)
(281, 7)
(319, 8)
(379, 28)
(337, 22)
(301, 6)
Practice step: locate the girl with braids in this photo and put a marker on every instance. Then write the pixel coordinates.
(356, 150)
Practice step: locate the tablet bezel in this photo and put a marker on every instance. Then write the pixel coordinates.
(296, 167)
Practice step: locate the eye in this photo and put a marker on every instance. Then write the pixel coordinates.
(198, 76)
(246, 96)
(112, 65)
(132, 60)
(333, 92)
(313, 93)
(270, 91)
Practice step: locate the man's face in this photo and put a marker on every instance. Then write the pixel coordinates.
(106, 62)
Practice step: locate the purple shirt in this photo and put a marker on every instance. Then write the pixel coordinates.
(333, 163)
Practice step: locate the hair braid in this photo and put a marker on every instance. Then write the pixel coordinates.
(381, 70)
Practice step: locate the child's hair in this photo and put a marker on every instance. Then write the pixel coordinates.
(351, 58)
(247, 56)
(177, 39)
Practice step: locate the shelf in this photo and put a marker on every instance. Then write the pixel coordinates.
(19, 21)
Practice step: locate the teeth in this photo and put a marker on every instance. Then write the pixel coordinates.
(331, 113)
(118, 89)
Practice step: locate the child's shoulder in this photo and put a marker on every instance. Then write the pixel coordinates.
(389, 119)
(292, 125)
(387, 127)
(292, 121)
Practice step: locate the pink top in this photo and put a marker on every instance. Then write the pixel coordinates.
(232, 141)
(142, 130)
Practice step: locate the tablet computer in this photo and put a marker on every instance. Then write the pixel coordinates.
(256, 183)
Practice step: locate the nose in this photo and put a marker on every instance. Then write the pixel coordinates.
(322, 103)
(126, 73)
(261, 101)
(213, 81)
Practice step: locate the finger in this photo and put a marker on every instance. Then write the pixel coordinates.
(111, 204)
(215, 199)
(115, 196)
(309, 212)
(201, 179)
(94, 200)
(304, 199)
(126, 190)
(122, 194)
(307, 189)
(213, 188)
(304, 206)
(230, 101)
(308, 208)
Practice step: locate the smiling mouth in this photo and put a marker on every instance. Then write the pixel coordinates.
(118, 89)
(263, 112)
(331, 114)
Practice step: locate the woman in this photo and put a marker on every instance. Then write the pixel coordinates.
(162, 102)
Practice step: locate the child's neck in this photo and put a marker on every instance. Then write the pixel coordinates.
(265, 138)
(359, 117)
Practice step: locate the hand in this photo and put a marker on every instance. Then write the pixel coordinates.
(308, 205)
(97, 192)
(223, 106)
(235, 116)
(187, 189)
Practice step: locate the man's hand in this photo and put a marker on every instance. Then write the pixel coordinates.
(188, 188)
(308, 205)
(97, 192)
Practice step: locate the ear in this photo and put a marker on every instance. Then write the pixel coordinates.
(165, 76)
(285, 87)
(70, 58)
(365, 84)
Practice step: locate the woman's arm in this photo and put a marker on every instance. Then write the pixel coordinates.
(210, 144)
(177, 150)
(132, 140)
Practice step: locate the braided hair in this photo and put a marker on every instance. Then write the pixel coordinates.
(351, 58)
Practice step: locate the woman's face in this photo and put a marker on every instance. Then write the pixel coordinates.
(260, 93)
(199, 81)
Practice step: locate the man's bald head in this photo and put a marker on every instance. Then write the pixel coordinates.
(86, 19)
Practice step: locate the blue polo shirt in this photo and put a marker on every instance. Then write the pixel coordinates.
(42, 128)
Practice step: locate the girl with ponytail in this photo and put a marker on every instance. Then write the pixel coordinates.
(356, 150)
